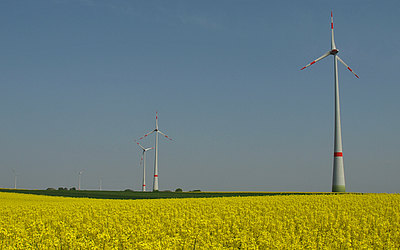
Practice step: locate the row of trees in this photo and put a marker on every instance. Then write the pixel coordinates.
(178, 190)
(62, 189)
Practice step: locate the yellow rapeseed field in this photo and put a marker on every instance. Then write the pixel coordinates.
(283, 222)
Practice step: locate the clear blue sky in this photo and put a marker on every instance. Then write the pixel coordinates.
(81, 79)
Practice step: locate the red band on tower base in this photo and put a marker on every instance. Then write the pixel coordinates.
(155, 175)
(338, 154)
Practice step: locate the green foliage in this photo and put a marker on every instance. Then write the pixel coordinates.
(195, 191)
(151, 195)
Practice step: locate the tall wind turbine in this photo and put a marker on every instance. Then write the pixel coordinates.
(338, 181)
(144, 164)
(157, 131)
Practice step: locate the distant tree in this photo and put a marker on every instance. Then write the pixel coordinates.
(50, 189)
(178, 190)
(73, 189)
(128, 190)
(196, 190)
(61, 188)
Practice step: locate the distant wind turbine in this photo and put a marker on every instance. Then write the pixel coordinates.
(15, 179)
(143, 159)
(157, 131)
(79, 180)
(338, 180)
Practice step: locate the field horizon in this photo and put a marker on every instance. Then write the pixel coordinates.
(133, 195)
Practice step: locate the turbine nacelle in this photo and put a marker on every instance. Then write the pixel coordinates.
(334, 51)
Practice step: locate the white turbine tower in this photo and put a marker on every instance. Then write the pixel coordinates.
(338, 181)
(15, 179)
(143, 159)
(157, 131)
(79, 180)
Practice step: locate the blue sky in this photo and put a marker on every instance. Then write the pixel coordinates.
(81, 79)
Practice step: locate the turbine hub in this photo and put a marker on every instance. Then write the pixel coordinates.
(334, 51)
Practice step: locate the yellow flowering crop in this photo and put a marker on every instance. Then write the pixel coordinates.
(283, 222)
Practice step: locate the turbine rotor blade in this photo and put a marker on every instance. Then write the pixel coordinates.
(347, 66)
(316, 60)
(141, 138)
(156, 120)
(333, 45)
(166, 136)
(140, 145)
(141, 160)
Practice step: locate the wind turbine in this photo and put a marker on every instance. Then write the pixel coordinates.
(144, 164)
(338, 181)
(15, 179)
(79, 180)
(157, 131)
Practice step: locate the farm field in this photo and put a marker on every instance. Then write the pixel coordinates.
(263, 222)
(151, 195)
